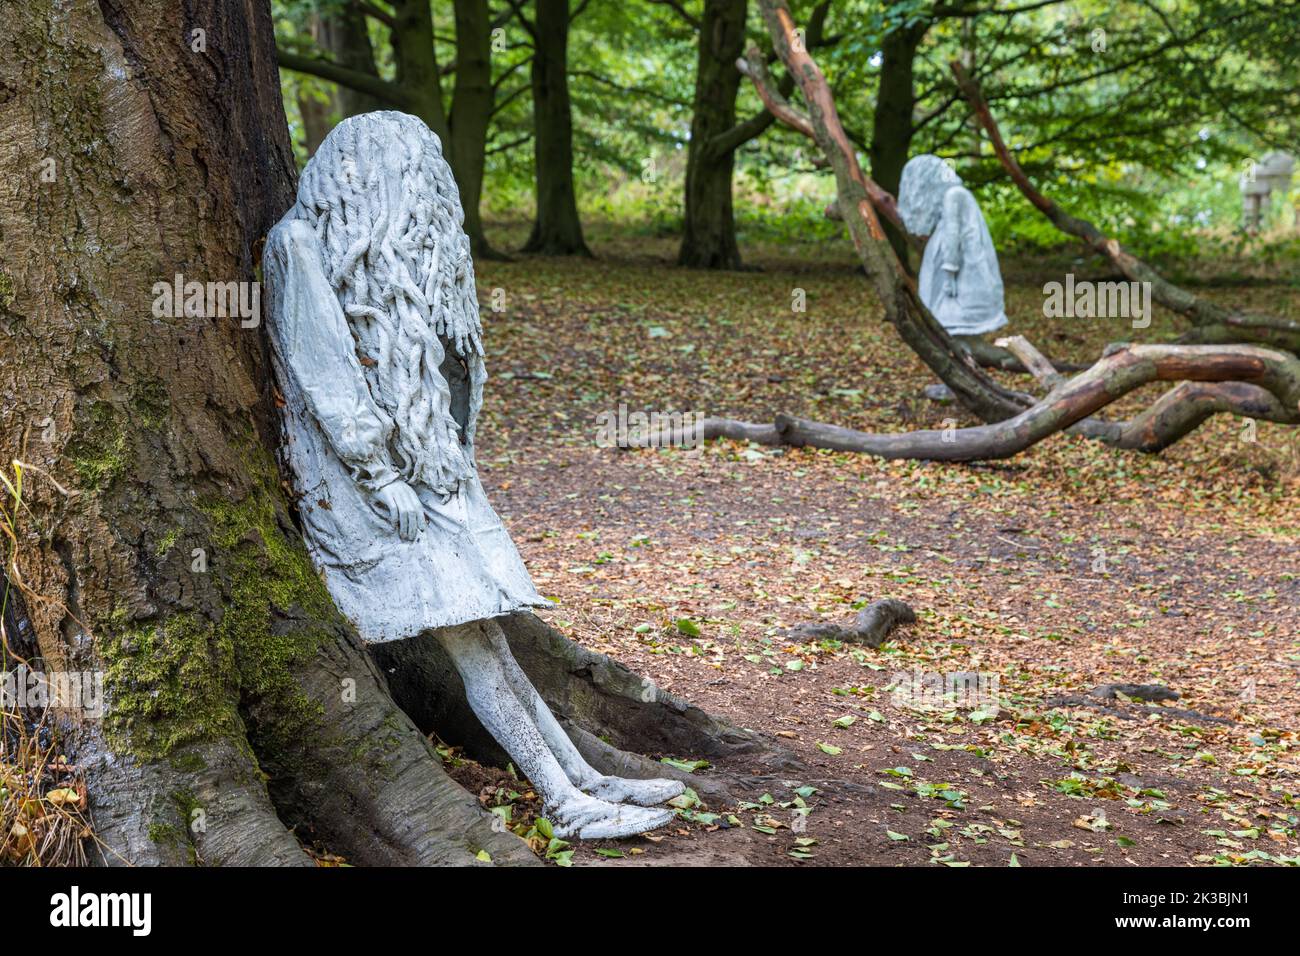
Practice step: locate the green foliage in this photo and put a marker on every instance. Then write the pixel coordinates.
(1138, 116)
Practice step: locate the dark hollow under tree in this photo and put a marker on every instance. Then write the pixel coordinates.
(156, 544)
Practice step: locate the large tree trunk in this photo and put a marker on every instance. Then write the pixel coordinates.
(709, 233)
(891, 125)
(156, 546)
(557, 231)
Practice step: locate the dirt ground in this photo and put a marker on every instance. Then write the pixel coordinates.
(1069, 567)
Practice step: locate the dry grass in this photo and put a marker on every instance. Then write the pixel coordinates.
(43, 819)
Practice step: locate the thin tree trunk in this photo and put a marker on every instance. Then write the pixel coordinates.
(315, 109)
(892, 122)
(557, 231)
(418, 76)
(471, 111)
(317, 119)
(346, 35)
(709, 232)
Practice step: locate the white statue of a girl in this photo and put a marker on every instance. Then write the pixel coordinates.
(377, 346)
(960, 282)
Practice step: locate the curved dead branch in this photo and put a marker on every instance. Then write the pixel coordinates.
(1240, 379)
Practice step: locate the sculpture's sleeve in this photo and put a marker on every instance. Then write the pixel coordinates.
(318, 351)
(955, 202)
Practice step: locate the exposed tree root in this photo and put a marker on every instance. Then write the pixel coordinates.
(158, 814)
(871, 627)
(371, 787)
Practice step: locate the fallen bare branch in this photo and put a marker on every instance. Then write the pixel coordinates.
(872, 626)
(1257, 382)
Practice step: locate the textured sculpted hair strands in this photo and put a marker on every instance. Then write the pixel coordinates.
(400, 263)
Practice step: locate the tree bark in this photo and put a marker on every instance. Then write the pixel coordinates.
(471, 111)
(709, 230)
(892, 122)
(557, 230)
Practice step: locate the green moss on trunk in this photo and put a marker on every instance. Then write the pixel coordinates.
(182, 680)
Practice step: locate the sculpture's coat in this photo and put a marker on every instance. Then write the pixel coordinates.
(377, 345)
(378, 350)
(960, 282)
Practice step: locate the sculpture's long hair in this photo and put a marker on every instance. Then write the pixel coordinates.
(925, 181)
(387, 213)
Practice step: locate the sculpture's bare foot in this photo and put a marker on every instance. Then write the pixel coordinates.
(587, 818)
(643, 793)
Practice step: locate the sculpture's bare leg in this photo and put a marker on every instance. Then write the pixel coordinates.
(645, 793)
(571, 811)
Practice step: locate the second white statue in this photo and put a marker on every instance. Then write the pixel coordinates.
(377, 345)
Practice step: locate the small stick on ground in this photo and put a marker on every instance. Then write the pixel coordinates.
(872, 627)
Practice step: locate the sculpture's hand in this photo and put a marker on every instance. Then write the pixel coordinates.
(404, 508)
(949, 283)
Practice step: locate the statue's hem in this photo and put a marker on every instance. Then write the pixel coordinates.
(982, 328)
(451, 620)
